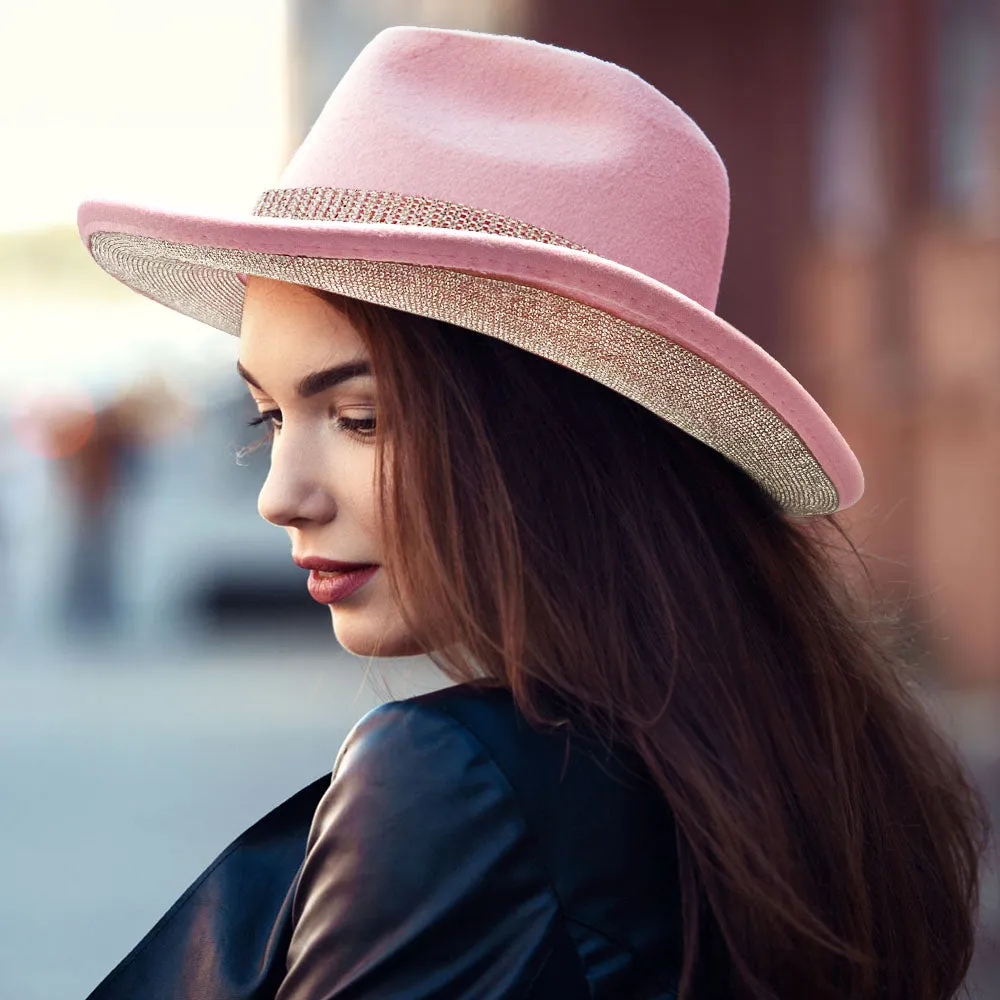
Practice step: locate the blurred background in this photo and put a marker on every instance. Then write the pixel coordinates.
(164, 677)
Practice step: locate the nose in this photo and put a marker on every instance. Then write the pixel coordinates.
(293, 491)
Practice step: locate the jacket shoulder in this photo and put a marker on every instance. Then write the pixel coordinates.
(601, 828)
(420, 877)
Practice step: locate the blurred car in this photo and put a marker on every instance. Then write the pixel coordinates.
(192, 549)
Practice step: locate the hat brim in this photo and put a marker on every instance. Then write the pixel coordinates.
(606, 321)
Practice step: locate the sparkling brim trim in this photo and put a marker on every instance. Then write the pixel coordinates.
(645, 366)
(329, 204)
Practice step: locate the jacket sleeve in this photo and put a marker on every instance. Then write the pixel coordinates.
(420, 879)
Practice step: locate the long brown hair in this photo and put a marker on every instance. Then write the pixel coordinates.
(550, 535)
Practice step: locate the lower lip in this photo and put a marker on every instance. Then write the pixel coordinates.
(329, 589)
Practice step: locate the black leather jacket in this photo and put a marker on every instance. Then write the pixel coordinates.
(456, 853)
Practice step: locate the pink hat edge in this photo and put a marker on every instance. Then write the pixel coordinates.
(579, 275)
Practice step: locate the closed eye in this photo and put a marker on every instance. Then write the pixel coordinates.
(361, 428)
(268, 416)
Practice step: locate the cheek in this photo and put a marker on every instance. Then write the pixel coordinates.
(350, 477)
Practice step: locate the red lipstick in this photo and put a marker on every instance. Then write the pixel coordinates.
(331, 580)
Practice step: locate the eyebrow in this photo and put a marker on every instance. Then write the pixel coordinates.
(316, 382)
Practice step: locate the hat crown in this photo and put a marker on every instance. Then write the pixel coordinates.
(552, 138)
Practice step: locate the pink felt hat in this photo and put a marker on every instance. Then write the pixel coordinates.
(526, 192)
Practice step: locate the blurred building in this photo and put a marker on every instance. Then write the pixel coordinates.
(863, 148)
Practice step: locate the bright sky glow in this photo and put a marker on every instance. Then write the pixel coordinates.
(179, 103)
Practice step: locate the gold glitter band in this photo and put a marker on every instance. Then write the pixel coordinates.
(387, 208)
(671, 381)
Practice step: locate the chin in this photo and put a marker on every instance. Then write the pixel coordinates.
(366, 638)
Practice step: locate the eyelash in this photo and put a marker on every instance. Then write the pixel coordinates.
(364, 429)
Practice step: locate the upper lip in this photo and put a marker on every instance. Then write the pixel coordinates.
(327, 565)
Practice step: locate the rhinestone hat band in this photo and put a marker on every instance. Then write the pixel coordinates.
(329, 204)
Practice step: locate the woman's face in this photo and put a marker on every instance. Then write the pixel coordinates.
(321, 484)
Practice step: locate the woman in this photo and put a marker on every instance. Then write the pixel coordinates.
(477, 318)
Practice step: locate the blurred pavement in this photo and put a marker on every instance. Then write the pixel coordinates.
(125, 771)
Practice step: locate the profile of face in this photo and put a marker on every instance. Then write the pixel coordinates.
(306, 367)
